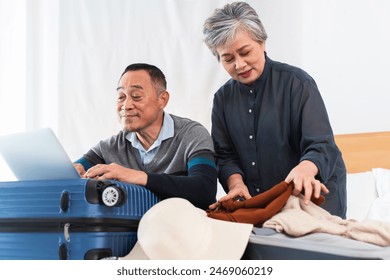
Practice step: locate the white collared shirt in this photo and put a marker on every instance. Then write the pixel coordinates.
(167, 131)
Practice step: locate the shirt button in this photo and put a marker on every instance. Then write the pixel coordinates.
(250, 137)
(257, 189)
(253, 163)
(251, 91)
(250, 111)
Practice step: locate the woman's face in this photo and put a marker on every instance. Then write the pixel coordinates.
(244, 58)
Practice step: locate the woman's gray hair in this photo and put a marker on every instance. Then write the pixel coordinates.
(221, 27)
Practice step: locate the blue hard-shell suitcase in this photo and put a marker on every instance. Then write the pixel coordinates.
(70, 219)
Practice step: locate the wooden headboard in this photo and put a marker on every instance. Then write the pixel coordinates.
(364, 151)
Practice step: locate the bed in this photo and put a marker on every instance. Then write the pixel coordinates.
(364, 151)
(367, 159)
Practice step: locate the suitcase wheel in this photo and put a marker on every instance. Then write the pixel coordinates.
(112, 196)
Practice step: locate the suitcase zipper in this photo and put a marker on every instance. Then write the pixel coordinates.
(66, 232)
(72, 225)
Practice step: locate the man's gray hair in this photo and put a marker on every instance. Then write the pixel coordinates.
(221, 27)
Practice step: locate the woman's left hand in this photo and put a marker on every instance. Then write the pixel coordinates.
(303, 176)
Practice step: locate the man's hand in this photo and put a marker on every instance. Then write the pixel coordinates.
(80, 169)
(117, 172)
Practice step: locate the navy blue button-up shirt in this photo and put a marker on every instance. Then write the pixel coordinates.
(263, 130)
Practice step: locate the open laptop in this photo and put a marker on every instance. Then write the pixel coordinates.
(36, 155)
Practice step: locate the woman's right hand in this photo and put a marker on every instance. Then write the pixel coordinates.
(237, 188)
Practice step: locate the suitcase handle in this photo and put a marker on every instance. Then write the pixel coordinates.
(64, 201)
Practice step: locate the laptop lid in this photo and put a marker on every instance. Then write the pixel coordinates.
(36, 155)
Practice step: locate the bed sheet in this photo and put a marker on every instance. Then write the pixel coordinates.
(380, 208)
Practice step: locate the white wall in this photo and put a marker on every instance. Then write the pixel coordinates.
(347, 45)
(344, 46)
(78, 48)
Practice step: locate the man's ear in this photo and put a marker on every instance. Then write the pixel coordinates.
(164, 98)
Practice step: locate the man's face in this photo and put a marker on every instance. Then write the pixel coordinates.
(243, 59)
(139, 106)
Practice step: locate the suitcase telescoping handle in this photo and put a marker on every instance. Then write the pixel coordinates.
(104, 193)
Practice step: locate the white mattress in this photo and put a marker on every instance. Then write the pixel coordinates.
(318, 243)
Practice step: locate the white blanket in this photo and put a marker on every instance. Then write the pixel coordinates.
(380, 208)
(298, 219)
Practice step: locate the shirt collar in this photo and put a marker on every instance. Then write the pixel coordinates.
(257, 84)
(167, 131)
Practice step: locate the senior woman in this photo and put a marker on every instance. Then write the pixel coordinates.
(269, 122)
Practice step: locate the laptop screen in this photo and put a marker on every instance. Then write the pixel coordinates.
(36, 155)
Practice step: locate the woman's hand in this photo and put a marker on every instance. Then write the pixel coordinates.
(303, 176)
(237, 188)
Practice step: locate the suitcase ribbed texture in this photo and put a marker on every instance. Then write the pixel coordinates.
(36, 199)
(35, 215)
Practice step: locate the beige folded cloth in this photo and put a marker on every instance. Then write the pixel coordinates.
(297, 219)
